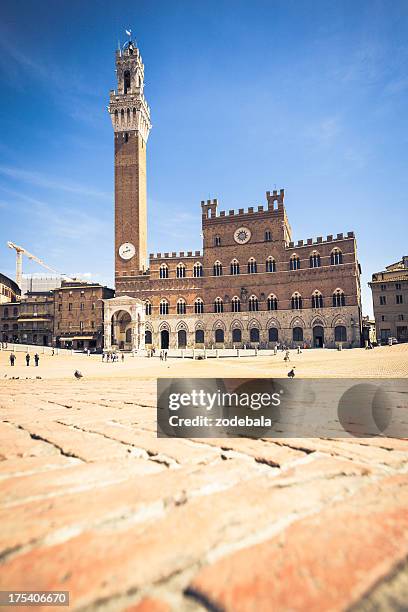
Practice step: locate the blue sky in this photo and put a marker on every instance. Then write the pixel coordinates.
(245, 97)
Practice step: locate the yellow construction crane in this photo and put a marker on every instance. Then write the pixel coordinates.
(20, 251)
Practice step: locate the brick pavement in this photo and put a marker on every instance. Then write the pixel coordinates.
(92, 502)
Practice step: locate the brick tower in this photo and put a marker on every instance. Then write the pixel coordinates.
(130, 116)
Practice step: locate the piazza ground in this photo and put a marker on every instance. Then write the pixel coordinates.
(92, 502)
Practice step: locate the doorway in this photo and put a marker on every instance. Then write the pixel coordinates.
(318, 336)
(164, 339)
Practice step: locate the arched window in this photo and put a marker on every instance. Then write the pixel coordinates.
(252, 266)
(198, 269)
(164, 307)
(268, 236)
(6, 313)
(314, 260)
(272, 334)
(126, 81)
(253, 303)
(294, 263)
(340, 333)
(148, 337)
(237, 335)
(217, 268)
(296, 301)
(336, 257)
(218, 305)
(254, 334)
(181, 306)
(164, 271)
(198, 306)
(297, 334)
(5, 326)
(272, 302)
(270, 264)
(235, 304)
(148, 308)
(339, 298)
(217, 240)
(181, 338)
(219, 335)
(181, 270)
(317, 300)
(234, 266)
(15, 312)
(199, 336)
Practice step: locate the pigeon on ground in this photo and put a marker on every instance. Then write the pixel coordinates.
(78, 374)
(291, 374)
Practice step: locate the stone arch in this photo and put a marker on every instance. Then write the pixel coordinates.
(318, 320)
(273, 323)
(219, 324)
(182, 325)
(297, 322)
(254, 323)
(236, 323)
(199, 325)
(338, 320)
(164, 326)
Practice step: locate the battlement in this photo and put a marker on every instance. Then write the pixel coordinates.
(319, 240)
(275, 203)
(174, 255)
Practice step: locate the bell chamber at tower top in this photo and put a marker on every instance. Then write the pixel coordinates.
(128, 108)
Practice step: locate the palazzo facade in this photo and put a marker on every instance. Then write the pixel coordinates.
(250, 285)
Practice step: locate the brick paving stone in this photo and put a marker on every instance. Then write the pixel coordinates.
(89, 565)
(34, 465)
(18, 443)
(262, 451)
(323, 562)
(106, 500)
(149, 604)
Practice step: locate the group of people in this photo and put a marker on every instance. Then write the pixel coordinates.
(112, 357)
(163, 355)
(13, 359)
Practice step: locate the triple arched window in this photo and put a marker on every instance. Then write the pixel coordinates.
(148, 308)
(181, 270)
(198, 306)
(270, 264)
(218, 305)
(164, 307)
(197, 270)
(272, 302)
(234, 267)
(164, 271)
(336, 257)
(339, 298)
(294, 263)
(253, 303)
(296, 301)
(314, 260)
(217, 268)
(317, 300)
(181, 306)
(252, 269)
(235, 304)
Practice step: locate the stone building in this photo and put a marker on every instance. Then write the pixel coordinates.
(9, 290)
(36, 318)
(79, 315)
(251, 284)
(390, 301)
(9, 313)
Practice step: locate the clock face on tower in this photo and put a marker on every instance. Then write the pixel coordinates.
(242, 235)
(127, 250)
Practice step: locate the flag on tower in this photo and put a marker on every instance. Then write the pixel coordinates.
(128, 32)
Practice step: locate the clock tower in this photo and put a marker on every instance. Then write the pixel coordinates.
(130, 116)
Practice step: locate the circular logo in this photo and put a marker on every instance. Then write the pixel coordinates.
(242, 235)
(127, 250)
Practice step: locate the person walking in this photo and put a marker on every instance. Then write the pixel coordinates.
(27, 359)
(36, 359)
(165, 355)
(12, 359)
(123, 357)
